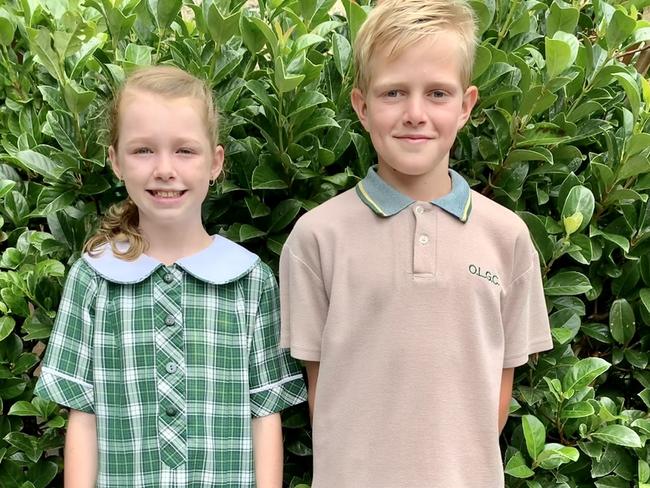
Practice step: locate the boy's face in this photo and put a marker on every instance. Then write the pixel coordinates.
(413, 107)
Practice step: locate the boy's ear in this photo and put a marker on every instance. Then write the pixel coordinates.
(112, 157)
(469, 100)
(217, 162)
(359, 105)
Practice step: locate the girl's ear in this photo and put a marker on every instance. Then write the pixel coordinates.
(359, 105)
(112, 157)
(217, 162)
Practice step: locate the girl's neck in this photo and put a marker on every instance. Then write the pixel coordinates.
(169, 244)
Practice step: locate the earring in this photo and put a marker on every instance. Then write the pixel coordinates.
(212, 181)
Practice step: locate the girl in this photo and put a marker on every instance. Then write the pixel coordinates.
(166, 340)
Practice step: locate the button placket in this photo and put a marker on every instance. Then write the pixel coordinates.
(424, 239)
(170, 366)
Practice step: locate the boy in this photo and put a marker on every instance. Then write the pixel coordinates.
(411, 298)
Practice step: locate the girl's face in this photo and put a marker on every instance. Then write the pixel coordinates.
(165, 158)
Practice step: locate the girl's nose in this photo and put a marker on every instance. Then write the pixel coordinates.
(164, 168)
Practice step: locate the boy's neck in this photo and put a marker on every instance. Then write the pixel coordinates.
(424, 188)
(169, 244)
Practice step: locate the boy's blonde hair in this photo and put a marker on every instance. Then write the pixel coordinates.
(122, 220)
(400, 24)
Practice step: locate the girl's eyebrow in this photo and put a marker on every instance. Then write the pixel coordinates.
(151, 140)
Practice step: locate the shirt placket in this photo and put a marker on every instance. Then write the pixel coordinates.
(170, 366)
(424, 239)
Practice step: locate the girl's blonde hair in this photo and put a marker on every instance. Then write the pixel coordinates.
(121, 222)
(400, 24)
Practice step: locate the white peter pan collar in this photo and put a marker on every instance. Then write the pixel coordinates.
(221, 262)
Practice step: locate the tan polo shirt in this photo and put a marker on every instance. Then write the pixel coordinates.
(413, 309)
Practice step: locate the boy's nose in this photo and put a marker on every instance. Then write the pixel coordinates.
(414, 113)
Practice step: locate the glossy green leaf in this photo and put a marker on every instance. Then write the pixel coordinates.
(222, 27)
(283, 214)
(356, 15)
(7, 325)
(579, 201)
(561, 52)
(620, 28)
(618, 435)
(583, 372)
(7, 29)
(23, 409)
(554, 455)
(622, 323)
(26, 443)
(644, 295)
(342, 53)
(577, 410)
(629, 84)
(265, 178)
(534, 434)
(517, 468)
(561, 17)
(567, 283)
(283, 81)
(165, 11)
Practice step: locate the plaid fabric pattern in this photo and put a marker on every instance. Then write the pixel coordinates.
(173, 368)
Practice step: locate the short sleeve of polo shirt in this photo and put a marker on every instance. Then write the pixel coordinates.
(304, 300)
(66, 376)
(523, 310)
(276, 380)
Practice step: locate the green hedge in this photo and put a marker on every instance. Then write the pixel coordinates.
(561, 135)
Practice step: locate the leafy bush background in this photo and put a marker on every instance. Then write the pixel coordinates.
(561, 135)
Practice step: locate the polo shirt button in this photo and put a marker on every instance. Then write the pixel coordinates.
(171, 412)
(171, 367)
(168, 278)
(424, 239)
(419, 210)
(169, 320)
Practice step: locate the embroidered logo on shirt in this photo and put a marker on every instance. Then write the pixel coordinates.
(486, 275)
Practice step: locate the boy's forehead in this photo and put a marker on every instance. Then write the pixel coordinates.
(442, 47)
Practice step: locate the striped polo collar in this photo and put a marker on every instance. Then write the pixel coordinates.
(221, 262)
(386, 201)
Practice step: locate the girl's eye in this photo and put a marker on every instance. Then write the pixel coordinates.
(142, 150)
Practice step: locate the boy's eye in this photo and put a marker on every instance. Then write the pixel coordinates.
(392, 93)
(438, 94)
(186, 150)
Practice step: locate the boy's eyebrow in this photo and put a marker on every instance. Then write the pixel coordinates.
(392, 84)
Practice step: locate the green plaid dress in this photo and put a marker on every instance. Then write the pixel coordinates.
(173, 361)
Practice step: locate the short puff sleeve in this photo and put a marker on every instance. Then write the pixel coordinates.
(276, 380)
(67, 370)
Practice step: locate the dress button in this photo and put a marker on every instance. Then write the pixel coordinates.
(419, 210)
(171, 412)
(168, 278)
(424, 239)
(169, 320)
(171, 367)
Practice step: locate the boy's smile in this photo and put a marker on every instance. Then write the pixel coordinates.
(413, 107)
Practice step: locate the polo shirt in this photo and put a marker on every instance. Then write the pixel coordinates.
(413, 309)
(173, 361)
